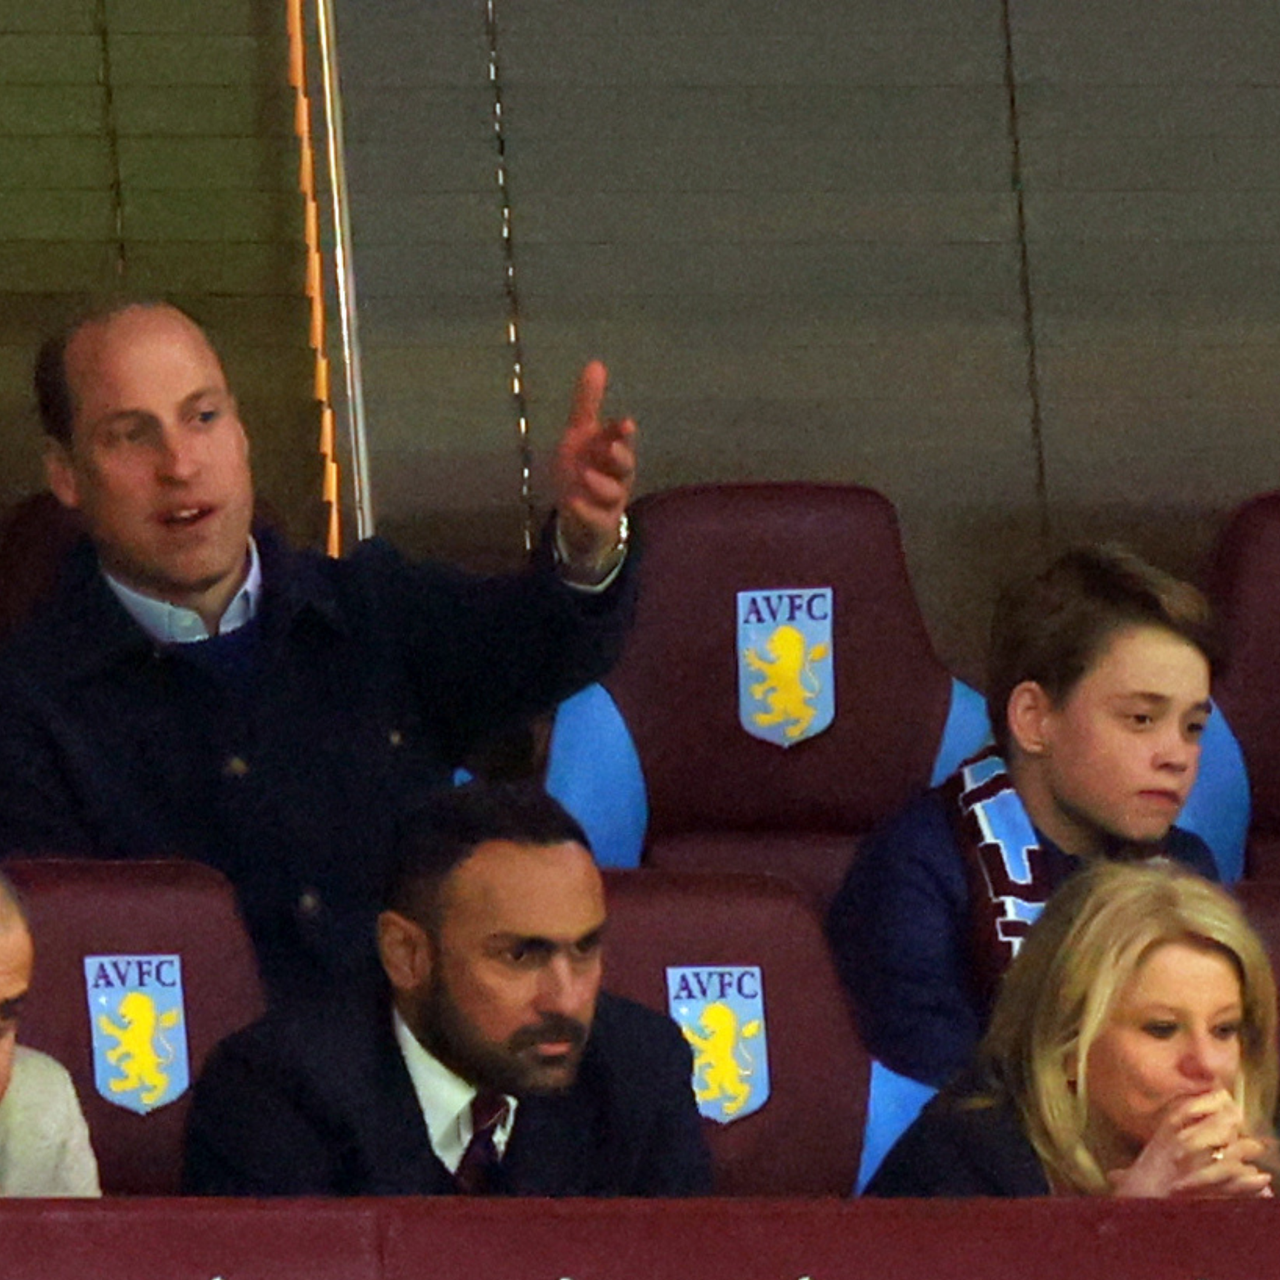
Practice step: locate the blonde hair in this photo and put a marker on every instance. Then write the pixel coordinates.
(1058, 994)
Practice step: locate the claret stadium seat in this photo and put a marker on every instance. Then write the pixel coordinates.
(1260, 900)
(1244, 583)
(153, 957)
(743, 960)
(35, 535)
(656, 761)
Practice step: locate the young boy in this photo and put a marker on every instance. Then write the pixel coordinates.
(1098, 691)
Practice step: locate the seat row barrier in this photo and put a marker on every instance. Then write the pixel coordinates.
(460, 1238)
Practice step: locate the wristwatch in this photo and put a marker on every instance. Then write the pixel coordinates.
(600, 572)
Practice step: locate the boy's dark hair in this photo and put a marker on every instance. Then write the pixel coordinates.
(445, 831)
(1052, 627)
(53, 392)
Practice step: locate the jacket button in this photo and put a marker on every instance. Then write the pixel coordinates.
(235, 767)
(309, 904)
(396, 738)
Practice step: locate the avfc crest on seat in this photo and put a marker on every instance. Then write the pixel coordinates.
(786, 675)
(139, 1027)
(721, 1012)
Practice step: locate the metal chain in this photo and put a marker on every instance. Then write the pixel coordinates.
(509, 286)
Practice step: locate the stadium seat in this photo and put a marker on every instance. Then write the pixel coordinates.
(1261, 902)
(35, 535)
(806, 1138)
(1244, 583)
(126, 918)
(656, 762)
(1260, 899)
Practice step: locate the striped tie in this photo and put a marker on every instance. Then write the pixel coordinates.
(480, 1161)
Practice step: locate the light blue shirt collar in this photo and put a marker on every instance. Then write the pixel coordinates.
(174, 624)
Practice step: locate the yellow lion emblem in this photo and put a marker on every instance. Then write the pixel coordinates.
(789, 683)
(717, 1072)
(135, 1052)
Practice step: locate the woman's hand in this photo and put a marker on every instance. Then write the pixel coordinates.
(1199, 1149)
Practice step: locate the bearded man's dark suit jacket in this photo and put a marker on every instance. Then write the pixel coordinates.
(318, 1101)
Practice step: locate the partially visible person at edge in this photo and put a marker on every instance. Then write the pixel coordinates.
(486, 1059)
(1098, 692)
(1132, 1052)
(44, 1141)
(197, 690)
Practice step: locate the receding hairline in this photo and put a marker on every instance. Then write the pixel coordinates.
(437, 837)
(105, 321)
(445, 887)
(52, 381)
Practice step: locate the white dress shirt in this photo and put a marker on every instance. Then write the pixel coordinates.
(445, 1100)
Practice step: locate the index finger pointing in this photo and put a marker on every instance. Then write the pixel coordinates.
(588, 396)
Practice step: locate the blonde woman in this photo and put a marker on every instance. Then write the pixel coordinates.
(1131, 1052)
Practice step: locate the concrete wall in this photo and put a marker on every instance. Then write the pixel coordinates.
(795, 232)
